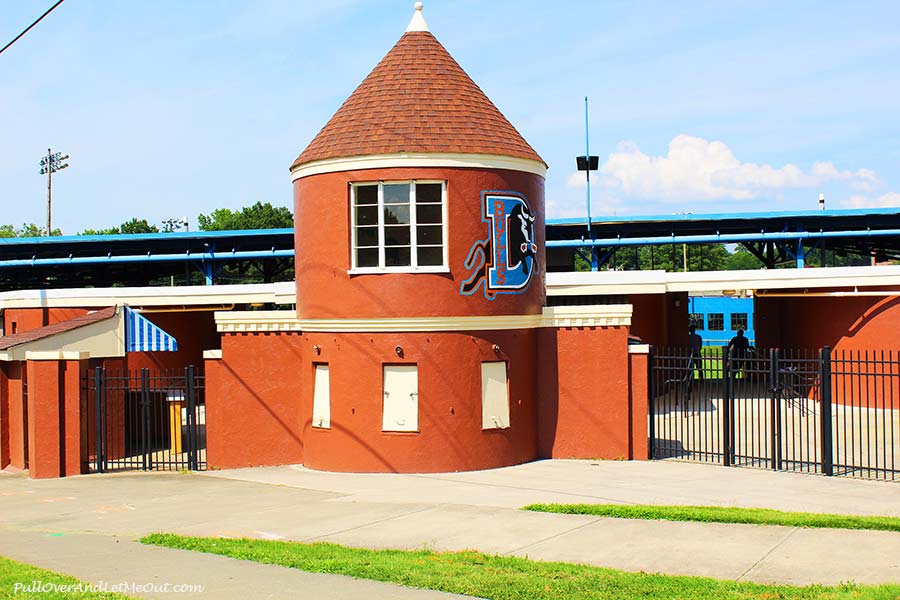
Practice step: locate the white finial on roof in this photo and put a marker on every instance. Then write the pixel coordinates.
(417, 23)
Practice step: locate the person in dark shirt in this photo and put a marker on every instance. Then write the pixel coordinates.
(738, 349)
(695, 343)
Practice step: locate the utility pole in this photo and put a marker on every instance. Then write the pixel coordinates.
(50, 164)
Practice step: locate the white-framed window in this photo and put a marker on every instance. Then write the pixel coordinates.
(398, 226)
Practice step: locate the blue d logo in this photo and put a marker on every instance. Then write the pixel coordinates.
(505, 261)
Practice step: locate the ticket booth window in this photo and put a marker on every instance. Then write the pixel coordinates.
(401, 398)
(322, 398)
(494, 396)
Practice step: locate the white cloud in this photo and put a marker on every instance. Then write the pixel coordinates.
(891, 199)
(699, 169)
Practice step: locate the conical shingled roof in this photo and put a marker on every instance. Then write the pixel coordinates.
(417, 100)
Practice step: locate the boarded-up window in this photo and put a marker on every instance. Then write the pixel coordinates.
(322, 398)
(401, 398)
(494, 396)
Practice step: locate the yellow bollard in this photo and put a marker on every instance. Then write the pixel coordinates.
(175, 406)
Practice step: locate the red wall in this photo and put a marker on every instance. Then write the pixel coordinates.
(322, 222)
(845, 323)
(26, 319)
(274, 394)
(4, 418)
(585, 407)
(253, 400)
(660, 320)
(15, 424)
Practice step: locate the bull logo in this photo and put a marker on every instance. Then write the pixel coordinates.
(504, 262)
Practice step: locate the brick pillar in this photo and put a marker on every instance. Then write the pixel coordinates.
(638, 356)
(44, 442)
(4, 416)
(75, 459)
(216, 445)
(55, 442)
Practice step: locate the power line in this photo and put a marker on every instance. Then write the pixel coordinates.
(27, 29)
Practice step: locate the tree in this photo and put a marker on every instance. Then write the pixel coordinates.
(7, 231)
(258, 216)
(741, 260)
(138, 226)
(135, 225)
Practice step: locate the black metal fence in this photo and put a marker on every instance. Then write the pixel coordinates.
(145, 420)
(823, 411)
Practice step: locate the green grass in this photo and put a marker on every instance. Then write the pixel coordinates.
(502, 577)
(12, 572)
(722, 514)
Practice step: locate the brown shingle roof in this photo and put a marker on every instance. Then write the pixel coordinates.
(10, 341)
(417, 99)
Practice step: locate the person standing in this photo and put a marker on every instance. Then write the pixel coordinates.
(738, 349)
(695, 343)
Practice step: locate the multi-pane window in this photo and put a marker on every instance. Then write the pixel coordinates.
(399, 226)
(715, 322)
(738, 321)
(696, 319)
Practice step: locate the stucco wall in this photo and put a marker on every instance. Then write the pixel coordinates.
(322, 222)
(844, 323)
(660, 320)
(274, 391)
(584, 384)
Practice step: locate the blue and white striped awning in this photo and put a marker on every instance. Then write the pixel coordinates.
(143, 336)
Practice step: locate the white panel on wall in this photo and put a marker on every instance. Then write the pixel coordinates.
(494, 396)
(401, 398)
(322, 398)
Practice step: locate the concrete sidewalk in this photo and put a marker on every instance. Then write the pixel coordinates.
(477, 510)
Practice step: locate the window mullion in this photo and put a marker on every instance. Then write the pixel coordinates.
(353, 241)
(380, 225)
(444, 224)
(413, 245)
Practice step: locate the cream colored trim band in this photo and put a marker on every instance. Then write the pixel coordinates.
(56, 355)
(612, 315)
(418, 160)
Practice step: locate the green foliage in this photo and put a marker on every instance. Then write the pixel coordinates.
(502, 577)
(258, 216)
(702, 257)
(723, 514)
(12, 572)
(741, 260)
(25, 231)
(135, 225)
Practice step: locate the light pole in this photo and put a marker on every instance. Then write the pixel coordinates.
(50, 164)
(588, 163)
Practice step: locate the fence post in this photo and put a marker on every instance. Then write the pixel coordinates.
(145, 418)
(825, 424)
(100, 420)
(651, 395)
(727, 412)
(191, 418)
(775, 409)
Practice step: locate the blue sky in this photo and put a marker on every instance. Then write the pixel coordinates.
(173, 108)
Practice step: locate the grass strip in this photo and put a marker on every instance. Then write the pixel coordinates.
(722, 514)
(503, 577)
(34, 582)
